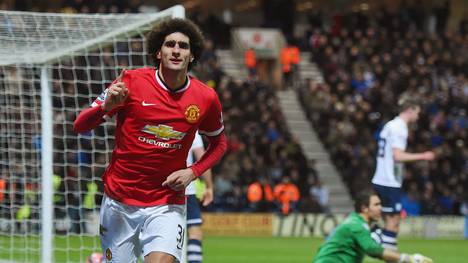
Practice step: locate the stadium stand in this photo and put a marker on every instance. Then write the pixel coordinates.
(368, 60)
(258, 146)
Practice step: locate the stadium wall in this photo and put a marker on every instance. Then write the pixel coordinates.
(301, 225)
(320, 225)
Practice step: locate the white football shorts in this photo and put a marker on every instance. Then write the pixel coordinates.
(127, 231)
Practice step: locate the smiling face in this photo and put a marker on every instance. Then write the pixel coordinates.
(175, 52)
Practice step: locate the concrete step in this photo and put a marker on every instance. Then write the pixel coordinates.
(335, 190)
(301, 128)
(341, 209)
(336, 181)
(342, 199)
(231, 64)
(308, 69)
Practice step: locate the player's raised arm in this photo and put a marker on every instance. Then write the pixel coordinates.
(112, 98)
(117, 93)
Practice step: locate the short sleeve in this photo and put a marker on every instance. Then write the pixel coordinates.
(398, 137)
(212, 125)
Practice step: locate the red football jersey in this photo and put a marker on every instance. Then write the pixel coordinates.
(155, 130)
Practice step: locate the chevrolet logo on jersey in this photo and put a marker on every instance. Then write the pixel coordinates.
(164, 132)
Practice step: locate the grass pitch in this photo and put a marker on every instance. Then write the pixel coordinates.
(292, 250)
(228, 249)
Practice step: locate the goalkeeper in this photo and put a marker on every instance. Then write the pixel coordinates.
(352, 240)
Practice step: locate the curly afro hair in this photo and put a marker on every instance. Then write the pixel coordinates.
(155, 38)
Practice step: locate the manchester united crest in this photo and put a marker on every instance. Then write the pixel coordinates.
(192, 113)
(108, 254)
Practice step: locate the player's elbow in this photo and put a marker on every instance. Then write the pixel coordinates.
(374, 252)
(87, 120)
(81, 125)
(78, 127)
(398, 155)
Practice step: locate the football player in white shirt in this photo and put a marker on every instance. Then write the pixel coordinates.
(388, 176)
(194, 219)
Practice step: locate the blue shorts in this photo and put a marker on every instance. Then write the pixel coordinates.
(390, 198)
(193, 211)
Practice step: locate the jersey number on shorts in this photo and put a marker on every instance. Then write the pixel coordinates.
(381, 152)
(180, 237)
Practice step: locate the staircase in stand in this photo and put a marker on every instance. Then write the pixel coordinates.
(339, 201)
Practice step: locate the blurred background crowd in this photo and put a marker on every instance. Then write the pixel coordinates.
(367, 62)
(367, 59)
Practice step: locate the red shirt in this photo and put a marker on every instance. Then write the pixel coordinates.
(155, 129)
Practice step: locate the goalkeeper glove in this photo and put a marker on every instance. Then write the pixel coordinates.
(415, 258)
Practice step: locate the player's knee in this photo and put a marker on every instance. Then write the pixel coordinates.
(159, 257)
(195, 232)
(392, 222)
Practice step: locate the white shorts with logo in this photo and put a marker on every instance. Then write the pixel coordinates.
(127, 231)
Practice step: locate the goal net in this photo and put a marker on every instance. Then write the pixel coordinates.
(51, 67)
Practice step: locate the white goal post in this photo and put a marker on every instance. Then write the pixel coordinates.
(52, 66)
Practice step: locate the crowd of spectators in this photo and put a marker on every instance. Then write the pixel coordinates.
(212, 25)
(368, 60)
(260, 146)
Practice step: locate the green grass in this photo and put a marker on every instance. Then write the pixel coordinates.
(291, 250)
(66, 248)
(230, 249)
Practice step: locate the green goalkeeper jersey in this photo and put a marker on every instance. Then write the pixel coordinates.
(349, 243)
